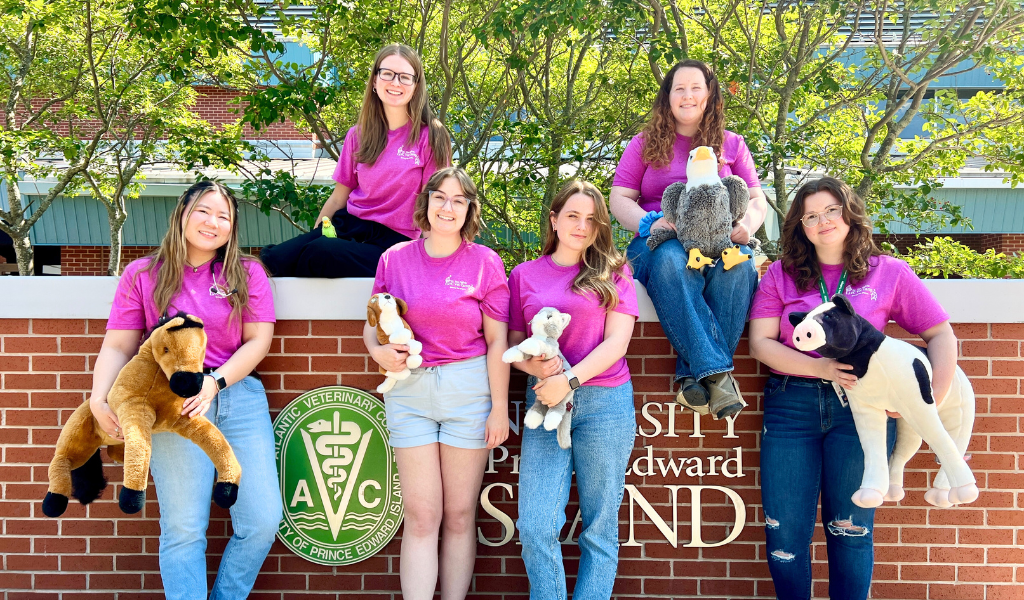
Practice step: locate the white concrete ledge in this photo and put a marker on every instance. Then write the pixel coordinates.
(967, 301)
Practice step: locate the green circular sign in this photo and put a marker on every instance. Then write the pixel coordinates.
(339, 480)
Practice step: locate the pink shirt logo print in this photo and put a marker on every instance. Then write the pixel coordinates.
(455, 284)
(409, 155)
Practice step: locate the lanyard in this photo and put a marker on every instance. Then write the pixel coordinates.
(824, 290)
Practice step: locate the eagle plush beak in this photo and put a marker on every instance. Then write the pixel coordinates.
(702, 154)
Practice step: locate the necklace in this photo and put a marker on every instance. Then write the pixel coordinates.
(195, 268)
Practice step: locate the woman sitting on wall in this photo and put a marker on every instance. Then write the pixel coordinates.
(450, 411)
(810, 444)
(702, 313)
(385, 160)
(581, 274)
(199, 270)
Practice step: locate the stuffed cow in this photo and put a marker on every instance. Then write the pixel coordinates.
(384, 312)
(896, 376)
(703, 210)
(546, 326)
(147, 396)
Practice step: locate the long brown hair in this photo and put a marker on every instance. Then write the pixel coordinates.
(473, 223)
(172, 254)
(660, 131)
(373, 124)
(799, 257)
(601, 260)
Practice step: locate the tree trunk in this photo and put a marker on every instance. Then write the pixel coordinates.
(26, 256)
(864, 187)
(114, 261)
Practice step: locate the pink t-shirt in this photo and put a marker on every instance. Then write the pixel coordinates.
(891, 291)
(539, 283)
(447, 297)
(134, 307)
(385, 192)
(635, 174)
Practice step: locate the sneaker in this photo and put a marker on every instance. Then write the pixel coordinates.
(694, 396)
(725, 395)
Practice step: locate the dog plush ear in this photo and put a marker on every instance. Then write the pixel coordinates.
(843, 304)
(371, 311)
(402, 306)
(795, 318)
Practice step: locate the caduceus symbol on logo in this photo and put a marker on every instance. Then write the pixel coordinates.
(333, 446)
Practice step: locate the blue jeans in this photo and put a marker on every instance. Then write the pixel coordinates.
(184, 478)
(702, 313)
(603, 429)
(809, 445)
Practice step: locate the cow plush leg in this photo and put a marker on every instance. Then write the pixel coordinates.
(907, 444)
(963, 486)
(871, 429)
(210, 440)
(957, 415)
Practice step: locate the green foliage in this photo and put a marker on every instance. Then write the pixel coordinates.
(282, 192)
(941, 257)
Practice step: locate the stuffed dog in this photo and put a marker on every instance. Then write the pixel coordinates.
(546, 326)
(384, 312)
(147, 397)
(896, 376)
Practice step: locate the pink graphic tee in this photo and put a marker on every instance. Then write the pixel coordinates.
(891, 291)
(134, 307)
(539, 283)
(447, 297)
(634, 174)
(385, 192)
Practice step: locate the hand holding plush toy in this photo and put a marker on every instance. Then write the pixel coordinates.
(546, 326)
(384, 312)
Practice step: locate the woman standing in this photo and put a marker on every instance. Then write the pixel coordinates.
(448, 413)
(702, 312)
(385, 160)
(199, 270)
(809, 443)
(581, 274)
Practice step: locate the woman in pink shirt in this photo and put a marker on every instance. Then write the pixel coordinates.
(581, 274)
(450, 411)
(809, 444)
(702, 312)
(385, 160)
(200, 270)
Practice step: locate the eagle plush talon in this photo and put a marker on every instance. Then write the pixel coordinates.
(732, 257)
(328, 228)
(697, 260)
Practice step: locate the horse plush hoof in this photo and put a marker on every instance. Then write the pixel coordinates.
(131, 501)
(54, 505)
(225, 494)
(964, 494)
(895, 493)
(697, 260)
(938, 497)
(533, 419)
(867, 498)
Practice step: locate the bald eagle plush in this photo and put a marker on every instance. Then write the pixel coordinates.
(704, 209)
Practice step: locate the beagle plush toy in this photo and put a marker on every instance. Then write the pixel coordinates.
(384, 312)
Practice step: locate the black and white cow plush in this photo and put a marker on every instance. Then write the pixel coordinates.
(896, 376)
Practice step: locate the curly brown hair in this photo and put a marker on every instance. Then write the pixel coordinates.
(660, 132)
(799, 257)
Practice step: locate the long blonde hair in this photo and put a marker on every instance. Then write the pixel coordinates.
(172, 254)
(373, 124)
(601, 261)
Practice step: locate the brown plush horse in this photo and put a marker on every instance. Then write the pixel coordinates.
(147, 396)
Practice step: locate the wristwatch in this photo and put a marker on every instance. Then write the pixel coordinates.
(573, 381)
(221, 382)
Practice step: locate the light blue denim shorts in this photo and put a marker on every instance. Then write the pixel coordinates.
(446, 403)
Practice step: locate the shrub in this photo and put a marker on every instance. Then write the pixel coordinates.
(942, 257)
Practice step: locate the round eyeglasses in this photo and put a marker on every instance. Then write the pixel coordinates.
(830, 214)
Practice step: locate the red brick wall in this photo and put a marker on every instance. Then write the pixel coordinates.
(971, 552)
(1000, 242)
(92, 260)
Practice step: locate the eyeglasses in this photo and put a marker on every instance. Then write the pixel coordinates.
(389, 75)
(438, 198)
(830, 214)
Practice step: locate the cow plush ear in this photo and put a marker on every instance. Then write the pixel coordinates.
(843, 304)
(402, 306)
(795, 318)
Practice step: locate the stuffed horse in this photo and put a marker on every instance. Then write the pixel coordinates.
(147, 396)
(546, 326)
(384, 312)
(896, 376)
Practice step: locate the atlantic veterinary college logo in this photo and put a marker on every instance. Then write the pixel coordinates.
(339, 480)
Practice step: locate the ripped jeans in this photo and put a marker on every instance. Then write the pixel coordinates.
(809, 445)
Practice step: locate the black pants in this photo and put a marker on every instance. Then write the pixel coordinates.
(354, 253)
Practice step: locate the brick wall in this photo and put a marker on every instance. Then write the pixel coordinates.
(92, 260)
(972, 552)
(1001, 242)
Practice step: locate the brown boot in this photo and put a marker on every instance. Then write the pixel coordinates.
(725, 395)
(694, 396)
